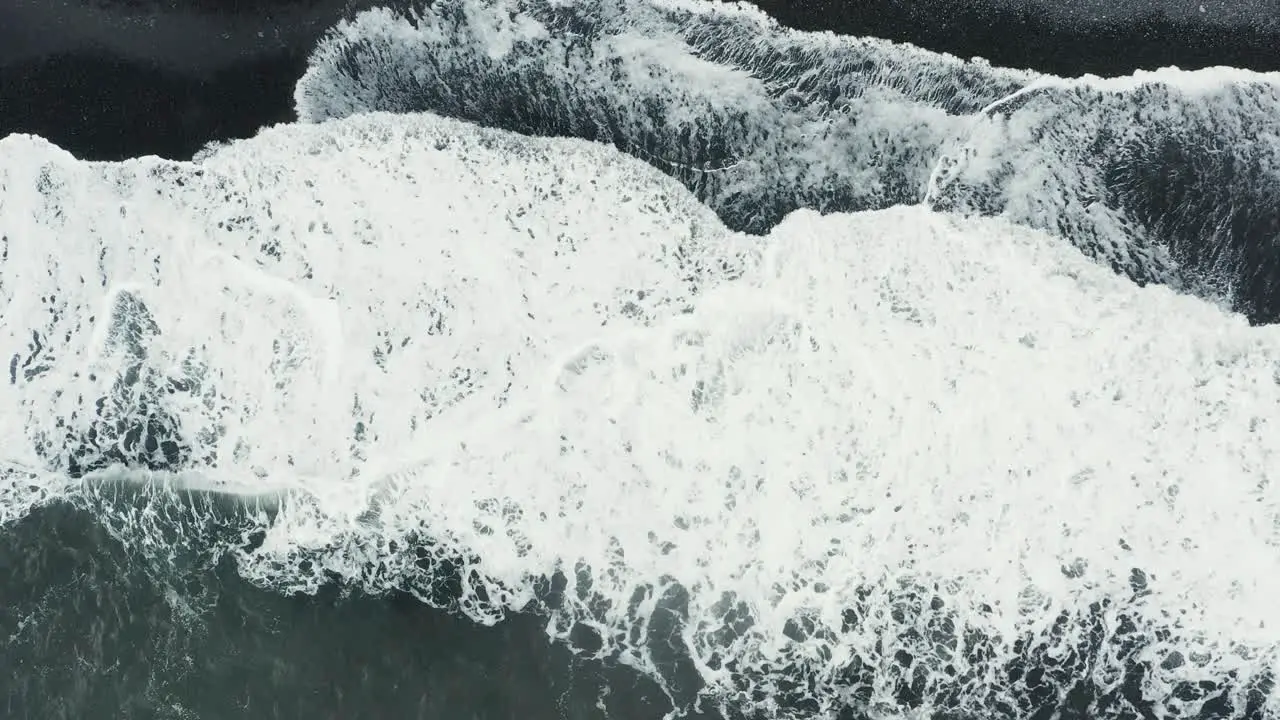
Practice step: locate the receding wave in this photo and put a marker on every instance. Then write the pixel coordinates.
(755, 121)
(1168, 177)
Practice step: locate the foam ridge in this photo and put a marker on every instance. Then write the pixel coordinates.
(1165, 176)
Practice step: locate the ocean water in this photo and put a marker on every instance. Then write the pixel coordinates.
(645, 358)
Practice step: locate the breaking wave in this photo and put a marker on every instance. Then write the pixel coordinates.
(876, 383)
(1167, 177)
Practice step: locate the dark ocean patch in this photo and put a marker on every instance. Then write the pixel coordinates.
(111, 108)
(112, 79)
(1067, 39)
(96, 627)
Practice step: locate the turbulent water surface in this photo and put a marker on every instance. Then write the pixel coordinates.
(618, 358)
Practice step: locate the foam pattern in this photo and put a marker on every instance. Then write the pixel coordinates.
(148, 297)
(1167, 177)
(756, 121)
(873, 463)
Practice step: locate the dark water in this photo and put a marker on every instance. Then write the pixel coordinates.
(90, 630)
(1061, 38)
(108, 80)
(87, 630)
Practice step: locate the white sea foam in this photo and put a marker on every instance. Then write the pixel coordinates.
(858, 439)
(1165, 176)
(274, 267)
(755, 119)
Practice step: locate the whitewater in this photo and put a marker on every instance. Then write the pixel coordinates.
(812, 376)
